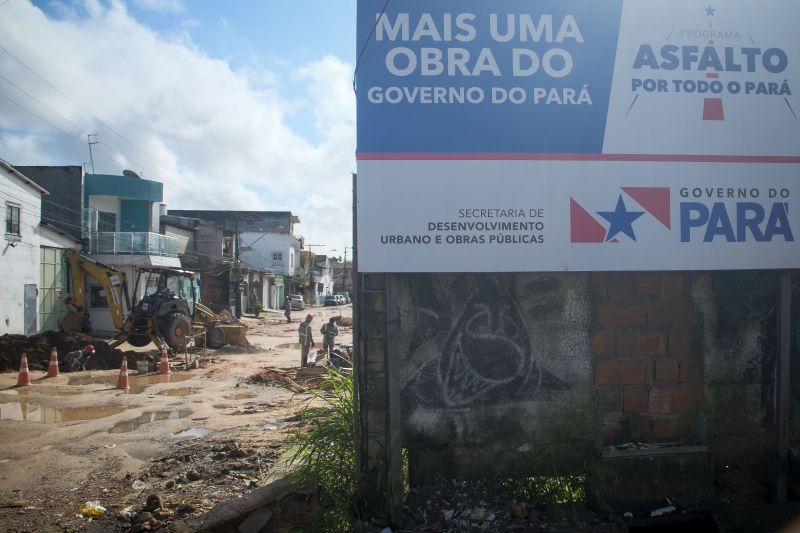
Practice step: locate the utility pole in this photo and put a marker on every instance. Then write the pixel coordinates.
(91, 142)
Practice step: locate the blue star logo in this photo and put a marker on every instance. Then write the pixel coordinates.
(710, 11)
(621, 220)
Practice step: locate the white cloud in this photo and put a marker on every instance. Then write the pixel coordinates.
(216, 137)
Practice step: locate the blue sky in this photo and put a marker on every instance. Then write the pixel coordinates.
(241, 104)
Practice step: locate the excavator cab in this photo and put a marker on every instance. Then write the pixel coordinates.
(166, 305)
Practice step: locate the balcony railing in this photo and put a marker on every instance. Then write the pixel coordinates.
(136, 243)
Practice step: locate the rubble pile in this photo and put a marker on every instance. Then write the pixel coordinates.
(275, 378)
(37, 348)
(451, 505)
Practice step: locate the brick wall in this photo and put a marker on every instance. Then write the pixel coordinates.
(648, 379)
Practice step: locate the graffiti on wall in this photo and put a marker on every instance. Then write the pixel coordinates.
(481, 339)
(747, 301)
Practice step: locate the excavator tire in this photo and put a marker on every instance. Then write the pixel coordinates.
(175, 329)
(138, 340)
(215, 338)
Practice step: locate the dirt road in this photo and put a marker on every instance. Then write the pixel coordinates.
(192, 437)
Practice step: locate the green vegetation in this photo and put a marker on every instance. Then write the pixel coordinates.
(325, 455)
(542, 491)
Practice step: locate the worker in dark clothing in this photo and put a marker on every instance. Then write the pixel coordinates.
(287, 309)
(306, 339)
(329, 332)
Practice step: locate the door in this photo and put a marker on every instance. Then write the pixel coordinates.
(52, 283)
(30, 309)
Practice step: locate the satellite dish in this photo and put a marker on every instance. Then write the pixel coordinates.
(131, 174)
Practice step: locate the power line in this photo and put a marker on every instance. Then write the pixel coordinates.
(76, 104)
(26, 93)
(367, 41)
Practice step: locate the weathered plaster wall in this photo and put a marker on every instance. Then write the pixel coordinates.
(512, 373)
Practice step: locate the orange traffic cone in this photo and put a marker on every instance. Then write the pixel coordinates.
(122, 383)
(24, 376)
(163, 364)
(52, 370)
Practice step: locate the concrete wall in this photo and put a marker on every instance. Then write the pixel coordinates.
(501, 374)
(63, 206)
(19, 255)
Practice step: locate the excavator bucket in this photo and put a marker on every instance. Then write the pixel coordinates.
(235, 334)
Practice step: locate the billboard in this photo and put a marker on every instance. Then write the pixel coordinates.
(577, 135)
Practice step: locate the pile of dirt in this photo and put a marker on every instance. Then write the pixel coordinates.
(275, 378)
(37, 348)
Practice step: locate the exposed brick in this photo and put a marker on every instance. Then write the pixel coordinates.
(659, 314)
(660, 401)
(635, 400)
(620, 285)
(678, 342)
(665, 428)
(633, 372)
(604, 342)
(683, 314)
(646, 427)
(654, 344)
(607, 373)
(672, 285)
(607, 314)
(666, 371)
(611, 428)
(680, 400)
(609, 399)
(600, 284)
(629, 344)
(633, 314)
(599, 343)
(647, 285)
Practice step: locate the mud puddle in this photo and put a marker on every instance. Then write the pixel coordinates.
(138, 383)
(24, 411)
(27, 392)
(127, 426)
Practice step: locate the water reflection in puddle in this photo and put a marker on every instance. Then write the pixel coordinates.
(147, 417)
(138, 383)
(194, 433)
(44, 392)
(182, 391)
(33, 412)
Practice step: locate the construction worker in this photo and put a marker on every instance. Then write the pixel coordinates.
(78, 359)
(306, 339)
(287, 309)
(329, 332)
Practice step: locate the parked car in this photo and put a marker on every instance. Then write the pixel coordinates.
(340, 298)
(297, 302)
(347, 298)
(331, 300)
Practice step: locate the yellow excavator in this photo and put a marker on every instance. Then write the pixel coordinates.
(168, 313)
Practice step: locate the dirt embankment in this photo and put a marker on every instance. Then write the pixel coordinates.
(38, 349)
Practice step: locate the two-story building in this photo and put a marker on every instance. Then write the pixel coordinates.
(112, 219)
(21, 200)
(263, 258)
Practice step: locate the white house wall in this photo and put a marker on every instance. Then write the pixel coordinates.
(258, 248)
(107, 204)
(19, 263)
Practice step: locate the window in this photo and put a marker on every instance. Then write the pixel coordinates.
(277, 256)
(106, 222)
(12, 219)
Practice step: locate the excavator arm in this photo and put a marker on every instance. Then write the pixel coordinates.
(111, 280)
